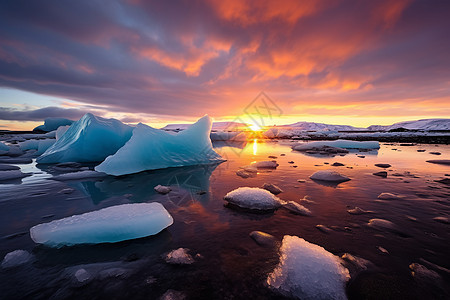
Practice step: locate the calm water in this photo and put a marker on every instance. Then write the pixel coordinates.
(232, 265)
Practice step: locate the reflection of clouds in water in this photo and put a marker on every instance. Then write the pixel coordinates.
(140, 187)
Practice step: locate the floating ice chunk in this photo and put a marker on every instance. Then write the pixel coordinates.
(107, 225)
(358, 211)
(3, 148)
(389, 196)
(82, 275)
(90, 139)
(297, 208)
(245, 174)
(51, 124)
(11, 175)
(79, 175)
(16, 258)
(444, 220)
(179, 256)
(150, 149)
(329, 175)
(381, 174)
(162, 189)
(323, 228)
(253, 198)
(308, 271)
(383, 165)
(263, 239)
(265, 164)
(346, 144)
(385, 225)
(360, 263)
(272, 188)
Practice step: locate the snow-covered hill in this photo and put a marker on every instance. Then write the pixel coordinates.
(215, 126)
(312, 126)
(425, 124)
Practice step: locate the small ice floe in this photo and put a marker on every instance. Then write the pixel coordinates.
(151, 149)
(265, 164)
(308, 271)
(82, 275)
(245, 174)
(382, 250)
(179, 256)
(272, 156)
(263, 239)
(337, 164)
(301, 180)
(421, 272)
(439, 161)
(360, 263)
(389, 196)
(324, 228)
(444, 220)
(79, 175)
(107, 225)
(329, 175)
(358, 211)
(16, 258)
(297, 209)
(383, 166)
(381, 174)
(11, 175)
(162, 189)
(8, 167)
(435, 153)
(421, 150)
(383, 225)
(253, 198)
(272, 188)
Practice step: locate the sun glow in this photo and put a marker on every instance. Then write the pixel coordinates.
(255, 146)
(254, 127)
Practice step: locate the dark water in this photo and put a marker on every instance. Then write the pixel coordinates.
(231, 265)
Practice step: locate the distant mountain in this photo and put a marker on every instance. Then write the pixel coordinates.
(425, 124)
(312, 126)
(215, 126)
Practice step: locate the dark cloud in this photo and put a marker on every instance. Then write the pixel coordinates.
(194, 57)
(40, 114)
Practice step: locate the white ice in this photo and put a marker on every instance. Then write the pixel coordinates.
(346, 144)
(329, 175)
(51, 124)
(89, 139)
(253, 198)
(150, 149)
(16, 258)
(308, 271)
(107, 225)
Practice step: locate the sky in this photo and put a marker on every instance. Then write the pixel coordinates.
(157, 62)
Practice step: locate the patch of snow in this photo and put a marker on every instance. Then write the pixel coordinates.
(150, 149)
(308, 271)
(107, 225)
(253, 198)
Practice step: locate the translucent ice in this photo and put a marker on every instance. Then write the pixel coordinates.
(51, 124)
(89, 139)
(40, 145)
(346, 144)
(16, 258)
(308, 271)
(3, 148)
(150, 149)
(329, 175)
(107, 225)
(253, 198)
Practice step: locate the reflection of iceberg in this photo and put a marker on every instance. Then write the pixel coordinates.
(151, 149)
(185, 181)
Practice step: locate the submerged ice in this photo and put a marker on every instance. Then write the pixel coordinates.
(151, 149)
(107, 225)
(90, 139)
(308, 271)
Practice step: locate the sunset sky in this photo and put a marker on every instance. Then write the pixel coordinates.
(339, 62)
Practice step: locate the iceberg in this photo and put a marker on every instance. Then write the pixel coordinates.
(107, 225)
(40, 145)
(51, 124)
(4, 149)
(345, 144)
(151, 149)
(253, 198)
(90, 139)
(308, 271)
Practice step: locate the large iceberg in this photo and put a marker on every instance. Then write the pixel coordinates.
(51, 124)
(308, 271)
(107, 225)
(90, 139)
(151, 149)
(345, 144)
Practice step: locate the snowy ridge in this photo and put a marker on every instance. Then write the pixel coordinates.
(425, 124)
(312, 126)
(215, 126)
